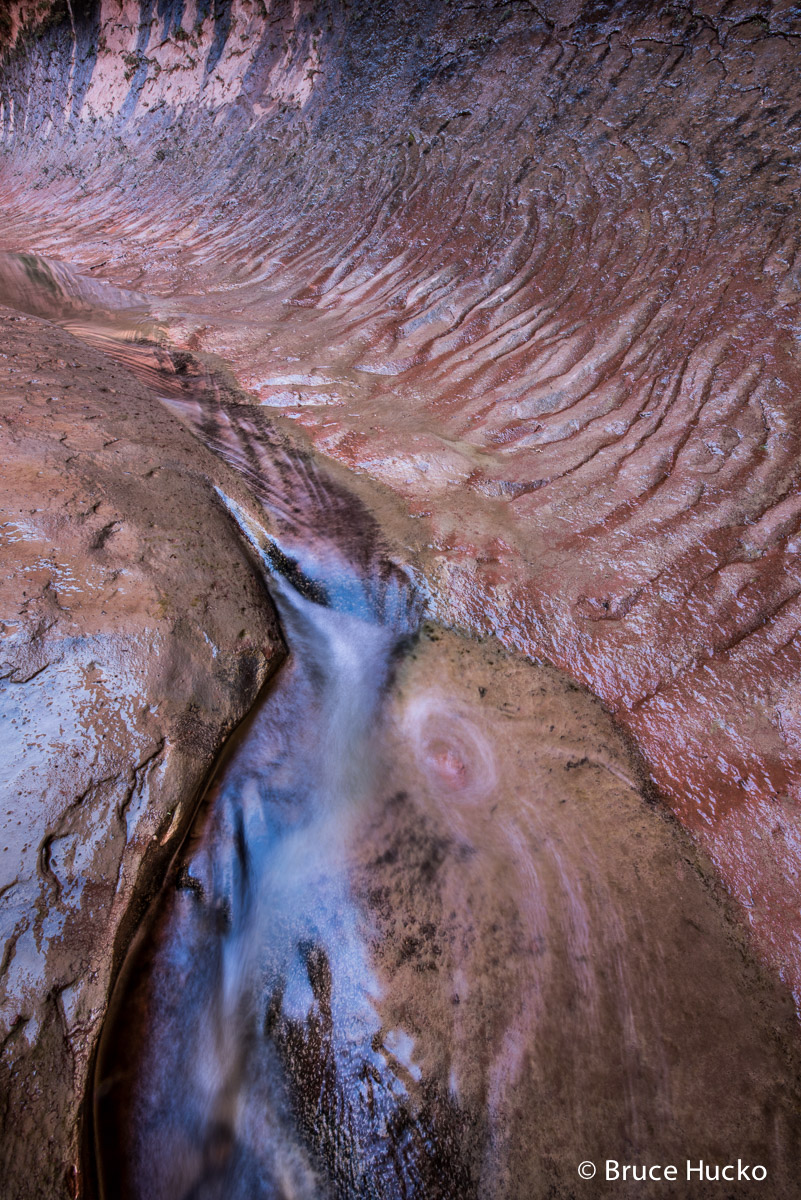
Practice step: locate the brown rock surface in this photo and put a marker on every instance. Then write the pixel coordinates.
(484, 959)
(135, 635)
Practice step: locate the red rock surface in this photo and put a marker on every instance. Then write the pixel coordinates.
(537, 270)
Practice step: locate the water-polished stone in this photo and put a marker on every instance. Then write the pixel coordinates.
(135, 635)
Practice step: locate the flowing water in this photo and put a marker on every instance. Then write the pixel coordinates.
(428, 937)
(262, 906)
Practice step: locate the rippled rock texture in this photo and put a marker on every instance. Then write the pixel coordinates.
(534, 268)
(135, 635)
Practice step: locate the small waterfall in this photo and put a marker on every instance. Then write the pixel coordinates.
(275, 1043)
(426, 940)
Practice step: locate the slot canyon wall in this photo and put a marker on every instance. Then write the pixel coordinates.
(535, 270)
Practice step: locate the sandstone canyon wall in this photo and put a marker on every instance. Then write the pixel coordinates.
(533, 268)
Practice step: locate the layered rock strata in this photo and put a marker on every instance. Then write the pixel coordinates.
(535, 268)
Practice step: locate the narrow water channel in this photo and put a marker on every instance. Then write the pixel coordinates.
(428, 938)
(259, 941)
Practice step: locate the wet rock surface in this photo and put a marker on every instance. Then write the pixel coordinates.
(536, 269)
(520, 859)
(135, 636)
(487, 951)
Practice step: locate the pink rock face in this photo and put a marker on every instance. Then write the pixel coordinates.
(537, 272)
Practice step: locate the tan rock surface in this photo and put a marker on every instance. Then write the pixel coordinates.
(135, 635)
